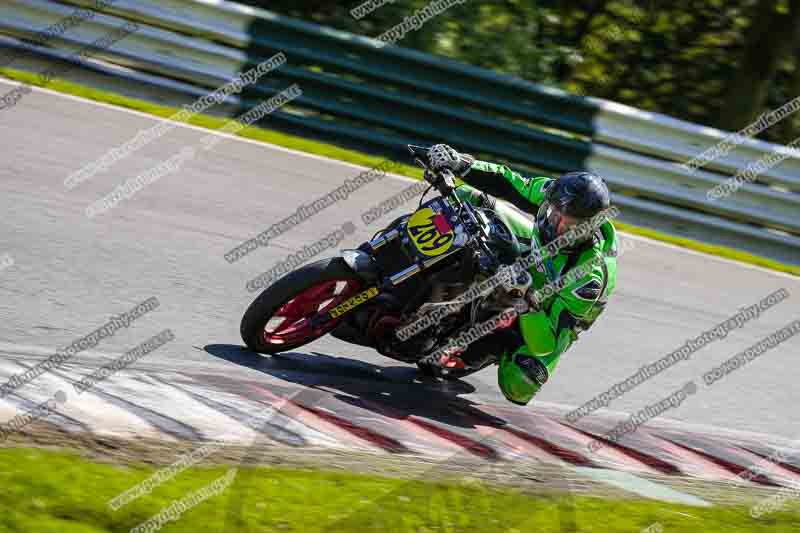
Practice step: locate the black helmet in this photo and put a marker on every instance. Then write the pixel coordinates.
(573, 198)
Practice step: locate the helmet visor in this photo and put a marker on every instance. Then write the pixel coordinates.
(553, 222)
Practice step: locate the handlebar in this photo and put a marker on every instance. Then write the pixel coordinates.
(445, 182)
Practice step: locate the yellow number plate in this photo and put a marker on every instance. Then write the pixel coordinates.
(355, 301)
(426, 236)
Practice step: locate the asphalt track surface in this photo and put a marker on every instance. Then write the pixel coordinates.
(71, 273)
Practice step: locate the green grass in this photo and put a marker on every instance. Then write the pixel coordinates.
(359, 158)
(47, 491)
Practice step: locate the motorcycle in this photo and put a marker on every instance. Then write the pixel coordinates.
(418, 263)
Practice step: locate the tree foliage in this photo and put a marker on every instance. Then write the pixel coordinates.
(716, 62)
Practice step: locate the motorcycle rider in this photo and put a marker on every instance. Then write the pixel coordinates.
(530, 353)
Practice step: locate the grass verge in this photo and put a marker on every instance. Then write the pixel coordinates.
(49, 491)
(357, 158)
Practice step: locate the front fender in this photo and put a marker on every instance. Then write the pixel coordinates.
(362, 264)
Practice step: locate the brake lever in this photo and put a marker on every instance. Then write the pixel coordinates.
(449, 178)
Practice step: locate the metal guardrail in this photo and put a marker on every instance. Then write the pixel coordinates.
(383, 98)
(677, 140)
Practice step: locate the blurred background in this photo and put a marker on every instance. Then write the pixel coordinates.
(633, 90)
(719, 63)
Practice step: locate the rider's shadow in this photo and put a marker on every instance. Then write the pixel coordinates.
(391, 391)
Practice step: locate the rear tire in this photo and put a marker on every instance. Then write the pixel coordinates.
(274, 297)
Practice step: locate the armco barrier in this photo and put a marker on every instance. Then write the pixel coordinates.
(384, 97)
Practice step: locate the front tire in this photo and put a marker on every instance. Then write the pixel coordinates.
(278, 319)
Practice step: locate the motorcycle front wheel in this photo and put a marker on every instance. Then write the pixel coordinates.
(279, 320)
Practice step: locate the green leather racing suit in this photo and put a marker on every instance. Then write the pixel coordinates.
(544, 333)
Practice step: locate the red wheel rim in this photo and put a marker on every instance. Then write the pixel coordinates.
(291, 324)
